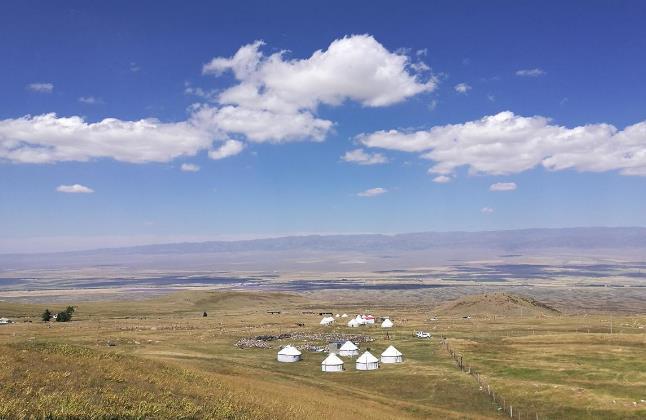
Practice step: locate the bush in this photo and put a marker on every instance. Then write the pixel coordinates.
(66, 315)
(46, 316)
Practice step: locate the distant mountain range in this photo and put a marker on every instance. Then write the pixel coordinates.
(508, 240)
(425, 245)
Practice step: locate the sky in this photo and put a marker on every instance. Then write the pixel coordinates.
(143, 122)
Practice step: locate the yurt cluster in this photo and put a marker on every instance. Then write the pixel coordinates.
(357, 321)
(334, 363)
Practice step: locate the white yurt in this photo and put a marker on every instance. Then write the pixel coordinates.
(353, 323)
(328, 320)
(368, 319)
(289, 354)
(332, 363)
(367, 362)
(349, 349)
(360, 320)
(344, 316)
(392, 355)
(387, 323)
(337, 316)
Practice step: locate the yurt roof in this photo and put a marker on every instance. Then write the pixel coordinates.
(349, 345)
(332, 359)
(367, 357)
(344, 316)
(387, 322)
(289, 351)
(391, 351)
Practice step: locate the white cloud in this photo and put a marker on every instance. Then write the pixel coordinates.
(442, 179)
(90, 100)
(274, 99)
(209, 95)
(229, 148)
(506, 143)
(274, 91)
(486, 210)
(536, 72)
(258, 125)
(462, 88)
(74, 189)
(190, 167)
(356, 67)
(372, 192)
(41, 87)
(48, 138)
(362, 158)
(134, 67)
(503, 186)
(433, 105)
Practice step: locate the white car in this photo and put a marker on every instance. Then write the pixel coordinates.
(422, 334)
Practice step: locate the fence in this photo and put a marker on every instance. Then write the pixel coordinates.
(501, 404)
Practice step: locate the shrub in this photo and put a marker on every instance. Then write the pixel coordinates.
(46, 316)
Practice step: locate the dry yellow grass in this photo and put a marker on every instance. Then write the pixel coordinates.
(168, 361)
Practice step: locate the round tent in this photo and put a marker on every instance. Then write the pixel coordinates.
(387, 323)
(328, 320)
(392, 355)
(367, 362)
(337, 316)
(348, 349)
(353, 323)
(344, 316)
(360, 320)
(289, 354)
(332, 363)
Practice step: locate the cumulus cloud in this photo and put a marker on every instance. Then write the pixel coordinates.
(229, 148)
(506, 143)
(503, 186)
(41, 87)
(48, 138)
(354, 68)
(362, 157)
(274, 99)
(462, 88)
(486, 210)
(442, 179)
(372, 192)
(74, 189)
(530, 72)
(189, 167)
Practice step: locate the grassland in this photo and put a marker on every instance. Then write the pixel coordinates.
(161, 358)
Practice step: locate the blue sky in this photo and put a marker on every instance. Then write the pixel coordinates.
(431, 104)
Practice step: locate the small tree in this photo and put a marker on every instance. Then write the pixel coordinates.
(63, 316)
(46, 316)
(70, 310)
